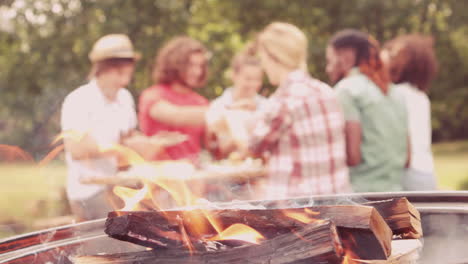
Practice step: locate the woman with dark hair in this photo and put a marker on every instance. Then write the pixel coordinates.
(172, 104)
(412, 64)
(376, 122)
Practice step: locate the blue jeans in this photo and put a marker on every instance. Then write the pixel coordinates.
(415, 180)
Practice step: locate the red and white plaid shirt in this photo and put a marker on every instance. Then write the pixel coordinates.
(302, 130)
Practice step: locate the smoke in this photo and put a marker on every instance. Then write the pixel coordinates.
(445, 236)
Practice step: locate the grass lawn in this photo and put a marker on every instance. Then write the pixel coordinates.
(30, 192)
(451, 164)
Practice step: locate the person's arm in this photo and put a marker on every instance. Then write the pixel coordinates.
(176, 115)
(353, 135)
(141, 144)
(83, 147)
(267, 127)
(408, 155)
(353, 128)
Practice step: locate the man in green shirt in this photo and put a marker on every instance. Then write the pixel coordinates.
(376, 121)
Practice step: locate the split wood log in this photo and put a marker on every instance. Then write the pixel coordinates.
(401, 216)
(365, 232)
(317, 242)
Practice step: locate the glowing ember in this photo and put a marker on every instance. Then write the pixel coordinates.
(240, 232)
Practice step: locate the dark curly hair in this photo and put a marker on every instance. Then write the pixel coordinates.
(367, 50)
(412, 59)
(172, 60)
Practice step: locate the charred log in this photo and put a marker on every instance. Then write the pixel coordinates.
(314, 243)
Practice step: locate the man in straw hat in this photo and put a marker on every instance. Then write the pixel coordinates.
(95, 117)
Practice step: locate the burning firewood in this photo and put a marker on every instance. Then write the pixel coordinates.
(362, 228)
(317, 242)
(401, 216)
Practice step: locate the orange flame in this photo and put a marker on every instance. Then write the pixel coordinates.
(185, 236)
(51, 155)
(171, 177)
(304, 217)
(350, 257)
(240, 232)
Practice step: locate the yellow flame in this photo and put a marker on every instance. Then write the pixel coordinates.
(349, 259)
(240, 232)
(131, 197)
(69, 134)
(310, 211)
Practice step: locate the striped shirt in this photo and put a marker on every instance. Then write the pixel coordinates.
(301, 130)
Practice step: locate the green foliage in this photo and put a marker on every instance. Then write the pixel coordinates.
(45, 55)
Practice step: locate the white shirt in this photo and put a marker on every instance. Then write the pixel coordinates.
(87, 110)
(419, 114)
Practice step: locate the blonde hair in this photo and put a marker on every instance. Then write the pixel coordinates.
(284, 43)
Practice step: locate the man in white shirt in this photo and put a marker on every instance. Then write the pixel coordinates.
(95, 117)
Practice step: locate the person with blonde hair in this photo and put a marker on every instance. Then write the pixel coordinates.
(300, 129)
(172, 104)
(96, 117)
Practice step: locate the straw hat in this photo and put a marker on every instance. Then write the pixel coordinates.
(113, 46)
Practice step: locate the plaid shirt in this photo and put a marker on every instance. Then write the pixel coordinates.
(302, 131)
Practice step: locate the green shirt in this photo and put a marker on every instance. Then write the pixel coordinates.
(384, 132)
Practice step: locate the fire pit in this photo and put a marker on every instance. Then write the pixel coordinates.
(444, 219)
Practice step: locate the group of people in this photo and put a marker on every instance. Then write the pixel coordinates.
(371, 132)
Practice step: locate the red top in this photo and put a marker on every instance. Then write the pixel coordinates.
(185, 150)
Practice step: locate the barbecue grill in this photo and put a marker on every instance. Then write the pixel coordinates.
(444, 219)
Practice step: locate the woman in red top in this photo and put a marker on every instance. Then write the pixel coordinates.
(172, 104)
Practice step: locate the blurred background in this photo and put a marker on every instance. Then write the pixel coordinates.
(43, 56)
